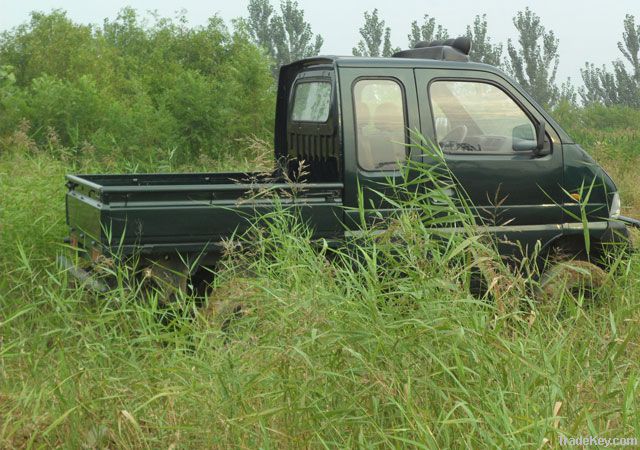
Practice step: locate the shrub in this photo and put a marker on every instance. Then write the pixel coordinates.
(131, 89)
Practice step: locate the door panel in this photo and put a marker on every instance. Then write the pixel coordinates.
(379, 107)
(507, 187)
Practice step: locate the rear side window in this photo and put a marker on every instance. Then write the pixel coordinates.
(311, 101)
(380, 124)
(472, 116)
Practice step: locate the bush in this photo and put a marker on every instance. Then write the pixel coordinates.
(130, 90)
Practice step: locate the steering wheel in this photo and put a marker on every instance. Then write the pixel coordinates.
(455, 136)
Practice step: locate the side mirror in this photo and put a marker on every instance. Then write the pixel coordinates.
(525, 139)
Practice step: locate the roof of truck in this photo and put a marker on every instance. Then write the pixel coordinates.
(367, 61)
(413, 63)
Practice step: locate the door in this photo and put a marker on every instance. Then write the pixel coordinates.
(379, 107)
(487, 130)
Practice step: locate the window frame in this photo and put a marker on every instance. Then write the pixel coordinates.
(405, 117)
(294, 92)
(523, 108)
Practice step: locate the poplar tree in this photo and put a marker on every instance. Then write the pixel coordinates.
(533, 59)
(428, 31)
(482, 50)
(622, 86)
(376, 38)
(285, 37)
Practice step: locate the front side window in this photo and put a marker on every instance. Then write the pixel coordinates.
(472, 116)
(312, 101)
(380, 124)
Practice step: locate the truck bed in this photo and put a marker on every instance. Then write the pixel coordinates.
(156, 213)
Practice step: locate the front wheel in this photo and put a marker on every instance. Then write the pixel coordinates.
(573, 277)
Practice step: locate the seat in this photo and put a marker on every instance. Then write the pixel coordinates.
(387, 138)
(363, 129)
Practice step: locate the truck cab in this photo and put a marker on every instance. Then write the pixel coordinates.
(352, 119)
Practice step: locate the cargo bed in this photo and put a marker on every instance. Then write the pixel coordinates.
(159, 213)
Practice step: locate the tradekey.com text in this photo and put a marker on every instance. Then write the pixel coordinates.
(599, 441)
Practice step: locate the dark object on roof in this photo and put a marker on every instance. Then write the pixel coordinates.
(449, 50)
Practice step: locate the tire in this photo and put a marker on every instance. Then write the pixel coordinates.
(573, 276)
(229, 302)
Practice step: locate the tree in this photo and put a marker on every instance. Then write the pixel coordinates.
(630, 45)
(482, 50)
(534, 63)
(53, 44)
(622, 86)
(599, 85)
(293, 36)
(428, 31)
(374, 35)
(259, 25)
(567, 93)
(285, 37)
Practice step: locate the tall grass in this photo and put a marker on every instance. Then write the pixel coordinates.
(378, 344)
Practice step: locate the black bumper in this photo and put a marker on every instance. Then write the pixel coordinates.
(628, 221)
(618, 235)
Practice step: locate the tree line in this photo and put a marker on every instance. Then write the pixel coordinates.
(532, 58)
(140, 87)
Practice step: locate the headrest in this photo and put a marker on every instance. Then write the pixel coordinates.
(362, 113)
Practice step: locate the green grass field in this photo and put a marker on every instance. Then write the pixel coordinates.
(324, 355)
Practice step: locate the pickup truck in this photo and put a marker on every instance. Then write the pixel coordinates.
(349, 120)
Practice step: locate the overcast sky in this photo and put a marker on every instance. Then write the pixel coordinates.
(588, 30)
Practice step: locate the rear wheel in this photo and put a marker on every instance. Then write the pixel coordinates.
(227, 303)
(165, 283)
(163, 286)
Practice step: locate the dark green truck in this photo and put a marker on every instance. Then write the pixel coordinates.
(348, 119)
